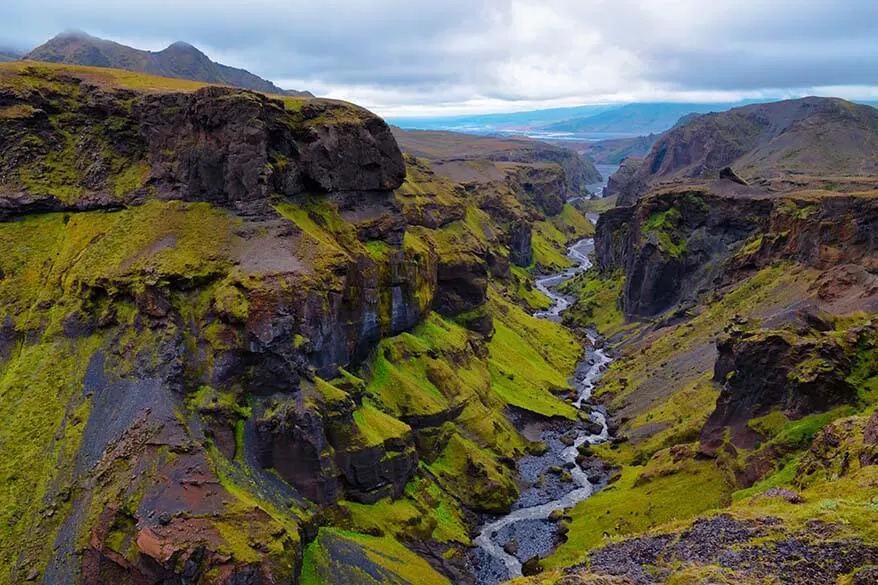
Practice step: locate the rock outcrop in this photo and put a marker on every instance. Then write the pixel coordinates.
(783, 371)
(229, 147)
(674, 245)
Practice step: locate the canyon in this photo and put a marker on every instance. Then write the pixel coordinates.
(258, 338)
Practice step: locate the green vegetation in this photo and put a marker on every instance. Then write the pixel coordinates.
(377, 427)
(425, 512)
(665, 225)
(45, 412)
(338, 556)
(597, 302)
(643, 498)
(530, 359)
(474, 476)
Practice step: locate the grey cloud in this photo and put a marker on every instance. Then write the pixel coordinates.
(386, 53)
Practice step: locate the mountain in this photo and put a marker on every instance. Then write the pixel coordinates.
(455, 146)
(813, 136)
(640, 119)
(513, 122)
(244, 339)
(9, 55)
(180, 60)
(615, 150)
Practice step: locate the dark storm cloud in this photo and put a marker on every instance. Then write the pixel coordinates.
(484, 53)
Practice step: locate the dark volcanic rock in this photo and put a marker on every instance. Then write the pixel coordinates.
(671, 246)
(746, 550)
(770, 370)
(675, 245)
(231, 147)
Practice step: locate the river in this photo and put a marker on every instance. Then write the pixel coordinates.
(528, 525)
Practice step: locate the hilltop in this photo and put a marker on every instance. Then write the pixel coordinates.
(180, 60)
(781, 143)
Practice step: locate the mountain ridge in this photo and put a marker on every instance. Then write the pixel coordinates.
(816, 136)
(179, 59)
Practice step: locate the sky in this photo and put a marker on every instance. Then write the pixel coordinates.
(426, 58)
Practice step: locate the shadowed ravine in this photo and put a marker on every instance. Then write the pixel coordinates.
(528, 524)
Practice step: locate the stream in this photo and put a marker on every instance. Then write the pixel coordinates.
(527, 530)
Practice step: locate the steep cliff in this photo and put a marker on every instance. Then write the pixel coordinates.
(678, 244)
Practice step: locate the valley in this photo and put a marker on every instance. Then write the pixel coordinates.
(259, 338)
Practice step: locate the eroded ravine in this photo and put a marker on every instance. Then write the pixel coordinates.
(528, 524)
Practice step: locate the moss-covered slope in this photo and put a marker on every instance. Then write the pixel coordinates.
(242, 336)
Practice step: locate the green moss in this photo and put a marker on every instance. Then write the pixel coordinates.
(44, 411)
(390, 561)
(524, 290)
(632, 505)
(770, 424)
(473, 476)
(783, 475)
(799, 433)
(132, 178)
(597, 302)
(572, 222)
(529, 359)
(665, 225)
(425, 512)
(377, 427)
(549, 247)
(231, 302)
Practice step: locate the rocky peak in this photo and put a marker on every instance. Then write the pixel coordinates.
(812, 136)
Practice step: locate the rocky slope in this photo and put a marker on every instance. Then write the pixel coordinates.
(454, 146)
(744, 391)
(179, 59)
(245, 340)
(825, 137)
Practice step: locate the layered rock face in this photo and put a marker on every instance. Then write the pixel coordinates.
(229, 147)
(677, 244)
(765, 371)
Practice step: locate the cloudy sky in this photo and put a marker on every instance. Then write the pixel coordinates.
(420, 57)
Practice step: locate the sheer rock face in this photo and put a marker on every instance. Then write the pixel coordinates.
(250, 247)
(230, 147)
(671, 246)
(775, 370)
(677, 244)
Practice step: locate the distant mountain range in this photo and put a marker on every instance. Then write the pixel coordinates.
(9, 55)
(584, 123)
(642, 119)
(513, 123)
(180, 60)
